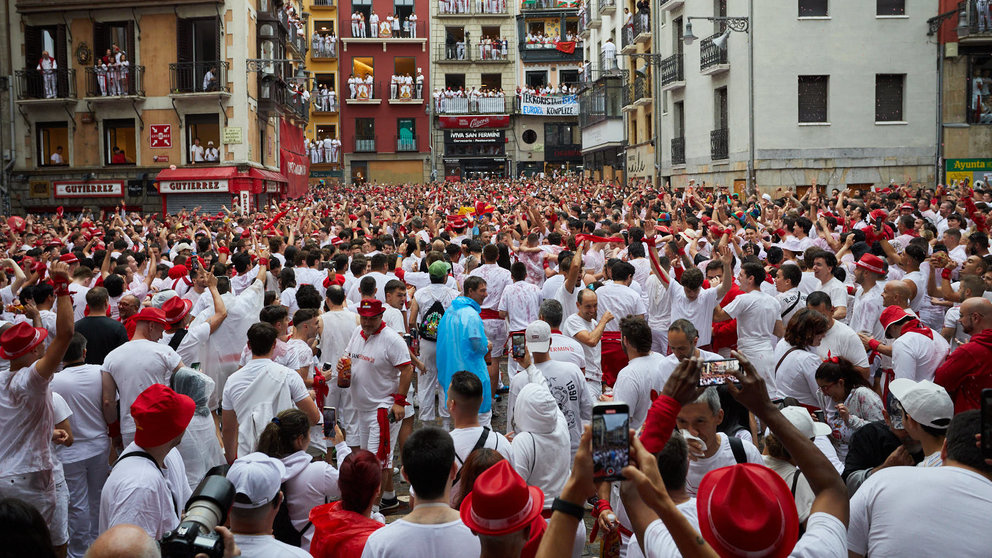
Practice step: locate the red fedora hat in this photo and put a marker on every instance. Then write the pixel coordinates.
(176, 308)
(501, 502)
(20, 339)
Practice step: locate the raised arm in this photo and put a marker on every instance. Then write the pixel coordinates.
(64, 325)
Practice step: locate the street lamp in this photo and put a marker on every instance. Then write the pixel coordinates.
(740, 25)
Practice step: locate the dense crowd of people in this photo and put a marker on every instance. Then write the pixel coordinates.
(141, 351)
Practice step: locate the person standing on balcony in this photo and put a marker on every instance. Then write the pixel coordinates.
(368, 86)
(362, 30)
(609, 55)
(196, 151)
(354, 25)
(48, 66)
(211, 155)
(328, 147)
(984, 17)
(420, 83)
(315, 43)
(374, 23)
(352, 84)
(123, 66)
(335, 149)
(393, 84)
(396, 24)
(628, 26)
(413, 25)
(643, 9)
(449, 43)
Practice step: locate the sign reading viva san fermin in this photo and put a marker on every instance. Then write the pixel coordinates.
(474, 136)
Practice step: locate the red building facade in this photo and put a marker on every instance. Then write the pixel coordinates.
(384, 75)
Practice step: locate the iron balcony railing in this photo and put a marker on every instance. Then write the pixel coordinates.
(607, 6)
(320, 48)
(711, 55)
(642, 24)
(455, 52)
(642, 88)
(364, 91)
(115, 81)
(405, 91)
(407, 30)
(608, 64)
(478, 105)
(406, 144)
(672, 69)
(197, 77)
(46, 84)
(364, 144)
(678, 151)
(473, 7)
(719, 144)
(627, 36)
(323, 3)
(492, 51)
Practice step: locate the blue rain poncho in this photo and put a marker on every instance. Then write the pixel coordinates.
(462, 345)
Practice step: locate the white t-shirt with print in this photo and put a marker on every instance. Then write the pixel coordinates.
(82, 388)
(573, 325)
(375, 363)
(565, 349)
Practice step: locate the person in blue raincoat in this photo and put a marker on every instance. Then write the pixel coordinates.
(462, 343)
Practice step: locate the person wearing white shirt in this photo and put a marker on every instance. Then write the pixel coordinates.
(892, 506)
(433, 528)
(916, 351)
(701, 418)
(424, 317)
(640, 382)
(85, 461)
(258, 480)
(134, 366)
(795, 359)
(564, 379)
(196, 151)
(790, 298)
(497, 279)
(464, 398)
(521, 300)
(823, 269)
(758, 322)
(147, 487)
(619, 299)
(869, 275)
(840, 340)
(563, 347)
(584, 328)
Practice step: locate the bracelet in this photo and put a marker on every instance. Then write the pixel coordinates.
(873, 344)
(945, 273)
(264, 262)
(568, 508)
(400, 399)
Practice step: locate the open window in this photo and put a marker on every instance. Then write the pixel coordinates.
(454, 82)
(197, 54)
(492, 82)
(119, 142)
(202, 130)
(111, 38)
(53, 143)
(37, 41)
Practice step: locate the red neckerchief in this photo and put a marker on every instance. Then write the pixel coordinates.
(376, 332)
(914, 326)
(558, 331)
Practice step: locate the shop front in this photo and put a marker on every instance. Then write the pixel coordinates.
(479, 153)
(212, 188)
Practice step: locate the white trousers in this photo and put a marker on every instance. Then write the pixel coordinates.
(85, 480)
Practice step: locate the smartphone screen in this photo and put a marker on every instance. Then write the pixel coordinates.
(718, 372)
(517, 345)
(610, 440)
(330, 419)
(987, 423)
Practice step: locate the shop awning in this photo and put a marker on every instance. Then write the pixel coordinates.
(263, 174)
(197, 173)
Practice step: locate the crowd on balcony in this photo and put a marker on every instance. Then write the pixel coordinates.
(406, 87)
(540, 40)
(454, 7)
(391, 26)
(360, 87)
(325, 99)
(474, 100)
(324, 150)
(324, 45)
(493, 48)
(547, 90)
(294, 21)
(112, 71)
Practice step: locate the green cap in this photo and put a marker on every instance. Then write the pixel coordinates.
(439, 268)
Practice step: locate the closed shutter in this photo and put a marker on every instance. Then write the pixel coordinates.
(32, 47)
(208, 203)
(61, 55)
(101, 39)
(888, 97)
(184, 40)
(132, 54)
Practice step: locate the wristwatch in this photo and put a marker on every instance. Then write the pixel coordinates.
(569, 508)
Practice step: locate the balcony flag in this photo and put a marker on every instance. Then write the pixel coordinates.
(568, 47)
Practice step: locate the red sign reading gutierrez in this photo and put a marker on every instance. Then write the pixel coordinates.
(94, 189)
(449, 122)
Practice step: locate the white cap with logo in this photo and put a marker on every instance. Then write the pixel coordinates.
(538, 336)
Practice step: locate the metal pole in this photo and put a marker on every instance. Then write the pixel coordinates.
(939, 152)
(752, 172)
(658, 95)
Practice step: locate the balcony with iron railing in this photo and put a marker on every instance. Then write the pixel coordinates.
(673, 72)
(678, 151)
(642, 27)
(551, 52)
(975, 22)
(409, 32)
(608, 64)
(46, 84)
(208, 77)
(584, 18)
(642, 90)
(364, 93)
(323, 3)
(406, 144)
(712, 58)
(298, 42)
(478, 105)
(627, 44)
(719, 144)
(364, 144)
(607, 6)
(495, 52)
(322, 49)
(538, 5)
(456, 53)
(481, 8)
(114, 82)
(321, 104)
(401, 92)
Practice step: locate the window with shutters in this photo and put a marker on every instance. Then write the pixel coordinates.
(111, 38)
(890, 7)
(889, 92)
(813, 8)
(51, 39)
(813, 98)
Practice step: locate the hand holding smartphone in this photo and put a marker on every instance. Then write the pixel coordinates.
(610, 441)
(517, 345)
(330, 415)
(718, 372)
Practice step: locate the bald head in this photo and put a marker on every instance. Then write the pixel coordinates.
(976, 315)
(124, 541)
(896, 293)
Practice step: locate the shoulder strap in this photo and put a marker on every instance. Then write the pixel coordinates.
(781, 360)
(177, 339)
(737, 446)
(799, 297)
(148, 456)
(479, 444)
(795, 482)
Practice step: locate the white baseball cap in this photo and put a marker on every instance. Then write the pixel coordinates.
(800, 418)
(791, 244)
(538, 336)
(162, 297)
(926, 402)
(257, 476)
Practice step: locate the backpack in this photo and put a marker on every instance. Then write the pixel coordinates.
(432, 319)
(282, 526)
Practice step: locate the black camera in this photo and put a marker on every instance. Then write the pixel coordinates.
(206, 509)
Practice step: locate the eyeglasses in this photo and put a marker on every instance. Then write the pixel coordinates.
(824, 387)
